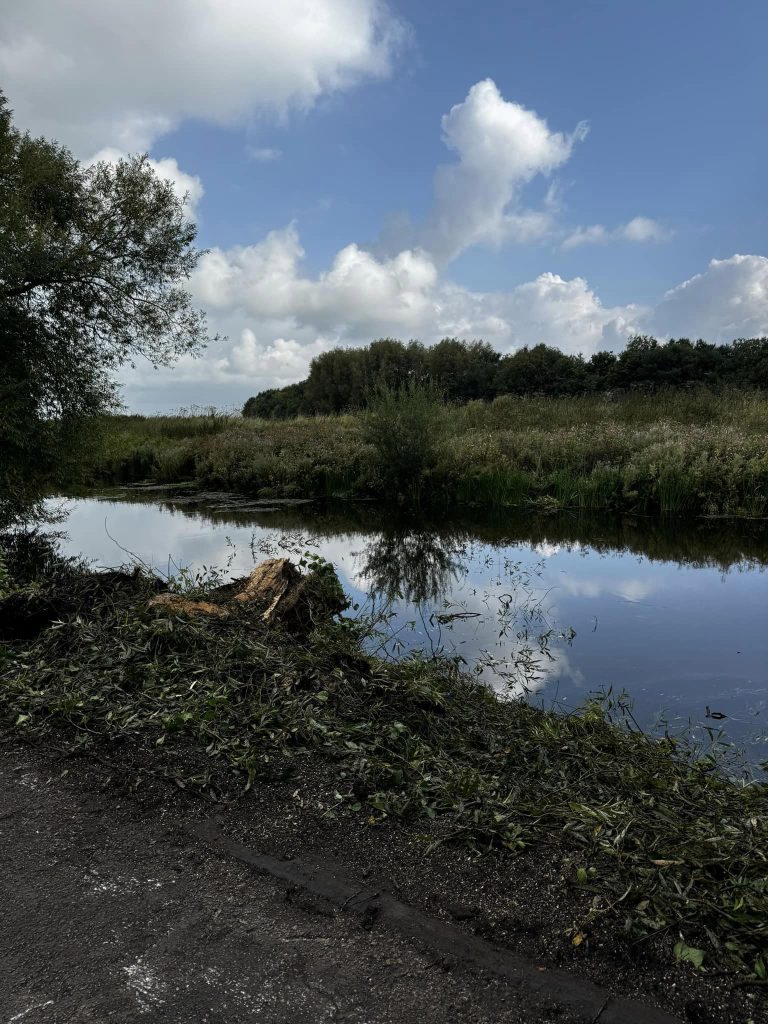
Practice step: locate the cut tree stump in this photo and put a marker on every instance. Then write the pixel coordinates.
(276, 590)
(176, 604)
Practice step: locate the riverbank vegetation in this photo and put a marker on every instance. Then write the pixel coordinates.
(695, 453)
(658, 835)
(93, 265)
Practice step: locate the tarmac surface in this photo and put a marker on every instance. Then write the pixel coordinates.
(114, 911)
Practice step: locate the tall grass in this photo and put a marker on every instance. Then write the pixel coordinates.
(676, 452)
(183, 424)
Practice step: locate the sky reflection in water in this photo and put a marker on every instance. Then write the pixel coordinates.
(675, 614)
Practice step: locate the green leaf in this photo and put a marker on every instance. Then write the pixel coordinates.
(581, 876)
(689, 953)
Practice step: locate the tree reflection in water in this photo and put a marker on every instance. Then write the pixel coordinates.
(421, 566)
(414, 565)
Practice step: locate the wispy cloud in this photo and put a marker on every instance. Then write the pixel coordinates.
(639, 229)
(263, 154)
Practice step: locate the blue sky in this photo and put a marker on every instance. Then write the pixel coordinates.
(595, 157)
(674, 94)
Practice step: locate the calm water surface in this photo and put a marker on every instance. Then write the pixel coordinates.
(675, 614)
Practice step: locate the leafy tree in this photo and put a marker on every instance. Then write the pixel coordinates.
(540, 370)
(391, 363)
(332, 384)
(343, 378)
(600, 369)
(92, 269)
(405, 427)
(464, 371)
(276, 403)
(750, 362)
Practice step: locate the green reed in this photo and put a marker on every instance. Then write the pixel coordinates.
(674, 453)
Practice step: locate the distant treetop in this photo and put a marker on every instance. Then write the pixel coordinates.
(343, 378)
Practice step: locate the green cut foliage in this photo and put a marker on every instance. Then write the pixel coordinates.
(690, 954)
(675, 846)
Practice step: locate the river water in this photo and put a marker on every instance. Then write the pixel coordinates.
(673, 613)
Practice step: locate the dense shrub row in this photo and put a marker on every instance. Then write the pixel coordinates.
(344, 378)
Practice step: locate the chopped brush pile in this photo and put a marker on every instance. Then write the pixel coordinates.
(664, 843)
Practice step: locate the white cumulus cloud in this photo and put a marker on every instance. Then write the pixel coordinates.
(360, 297)
(644, 229)
(728, 300)
(280, 362)
(277, 317)
(358, 293)
(501, 146)
(96, 73)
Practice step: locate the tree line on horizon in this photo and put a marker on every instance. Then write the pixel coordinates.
(344, 378)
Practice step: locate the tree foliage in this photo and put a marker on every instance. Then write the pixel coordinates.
(405, 426)
(93, 263)
(463, 371)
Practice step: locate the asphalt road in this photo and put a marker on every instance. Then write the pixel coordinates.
(112, 911)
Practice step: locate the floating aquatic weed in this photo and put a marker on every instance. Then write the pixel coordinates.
(294, 543)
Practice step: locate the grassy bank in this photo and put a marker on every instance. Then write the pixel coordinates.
(694, 453)
(665, 844)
